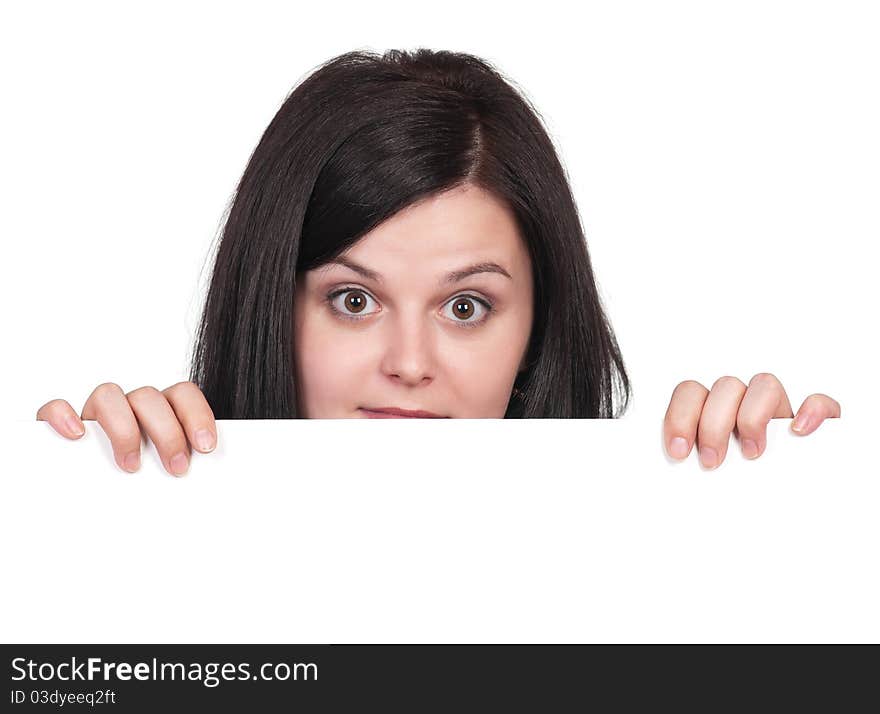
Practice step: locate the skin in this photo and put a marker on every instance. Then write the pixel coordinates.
(411, 349)
(408, 350)
(708, 417)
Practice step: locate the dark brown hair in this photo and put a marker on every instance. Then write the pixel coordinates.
(359, 139)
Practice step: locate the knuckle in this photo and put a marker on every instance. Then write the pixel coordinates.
(765, 379)
(126, 438)
(714, 439)
(749, 425)
(181, 387)
(716, 435)
(170, 446)
(728, 381)
(681, 420)
(107, 390)
(815, 401)
(682, 429)
(189, 396)
(688, 385)
(142, 392)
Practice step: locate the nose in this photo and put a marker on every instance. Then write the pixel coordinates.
(410, 351)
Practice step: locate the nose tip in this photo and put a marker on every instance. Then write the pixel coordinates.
(409, 356)
(411, 375)
(413, 381)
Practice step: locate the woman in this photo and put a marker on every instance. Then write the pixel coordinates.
(404, 242)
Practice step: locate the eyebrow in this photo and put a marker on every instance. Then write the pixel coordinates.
(452, 277)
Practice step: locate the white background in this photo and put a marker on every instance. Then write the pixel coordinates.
(724, 158)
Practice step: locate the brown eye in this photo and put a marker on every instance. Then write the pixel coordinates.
(463, 308)
(355, 301)
(350, 303)
(468, 310)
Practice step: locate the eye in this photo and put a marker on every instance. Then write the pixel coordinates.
(464, 307)
(465, 310)
(352, 306)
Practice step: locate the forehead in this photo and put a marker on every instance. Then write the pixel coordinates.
(442, 231)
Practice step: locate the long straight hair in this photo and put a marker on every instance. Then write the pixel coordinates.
(362, 137)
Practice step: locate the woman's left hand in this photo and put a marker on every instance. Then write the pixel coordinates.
(709, 416)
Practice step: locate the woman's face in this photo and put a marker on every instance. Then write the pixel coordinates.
(405, 323)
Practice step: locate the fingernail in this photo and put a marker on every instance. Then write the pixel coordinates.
(204, 440)
(709, 457)
(178, 464)
(802, 422)
(132, 461)
(749, 448)
(678, 448)
(74, 427)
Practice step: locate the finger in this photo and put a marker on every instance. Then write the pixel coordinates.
(765, 399)
(160, 422)
(62, 417)
(815, 409)
(194, 413)
(682, 418)
(718, 420)
(108, 406)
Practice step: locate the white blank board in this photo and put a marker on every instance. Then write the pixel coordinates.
(316, 531)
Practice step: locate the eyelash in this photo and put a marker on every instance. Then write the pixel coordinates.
(489, 307)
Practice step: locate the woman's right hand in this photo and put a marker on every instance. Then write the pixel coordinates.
(173, 419)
